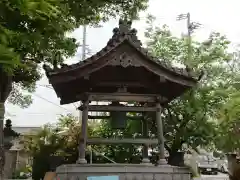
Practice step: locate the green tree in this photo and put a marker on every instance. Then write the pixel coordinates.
(34, 32)
(120, 153)
(191, 119)
(227, 139)
(54, 145)
(45, 144)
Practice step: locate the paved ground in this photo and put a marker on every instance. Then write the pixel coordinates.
(213, 177)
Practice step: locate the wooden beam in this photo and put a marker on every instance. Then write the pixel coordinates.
(93, 140)
(108, 108)
(107, 117)
(127, 84)
(124, 97)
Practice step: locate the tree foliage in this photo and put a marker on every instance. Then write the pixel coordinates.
(227, 139)
(32, 32)
(120, 153)
(192, 118)
(55, 143)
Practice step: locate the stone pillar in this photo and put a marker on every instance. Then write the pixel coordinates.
(162, 160)
(83, 138)
(145, 146)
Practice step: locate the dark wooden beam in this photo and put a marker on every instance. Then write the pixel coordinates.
(123, 97)
(127, 84)
(93, 140)
(106, 108)
(107, 117)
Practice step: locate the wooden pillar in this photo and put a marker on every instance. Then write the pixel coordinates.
(145, 135)
(162, 160)
(83, 138)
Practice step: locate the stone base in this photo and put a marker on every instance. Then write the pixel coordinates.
(162, 162)
(81, 161)
(124, 171)
(146, 161)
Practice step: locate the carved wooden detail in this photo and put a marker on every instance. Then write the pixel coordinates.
(122, 89)
(125, 60)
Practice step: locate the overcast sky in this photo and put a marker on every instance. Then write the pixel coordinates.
(222, 16)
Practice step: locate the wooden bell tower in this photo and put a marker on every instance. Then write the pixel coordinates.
(123, 71)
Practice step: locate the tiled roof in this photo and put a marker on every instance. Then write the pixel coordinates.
(120, 34)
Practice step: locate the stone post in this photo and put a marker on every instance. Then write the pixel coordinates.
(83, 138)
(162, 160)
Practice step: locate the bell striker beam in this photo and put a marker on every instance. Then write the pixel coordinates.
(83, 138)
(162, 160)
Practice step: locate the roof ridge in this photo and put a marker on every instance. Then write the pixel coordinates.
(120, 34)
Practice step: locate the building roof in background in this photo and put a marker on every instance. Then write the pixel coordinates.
(26, 130)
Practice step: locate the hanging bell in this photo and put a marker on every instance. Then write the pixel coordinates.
(118, 119)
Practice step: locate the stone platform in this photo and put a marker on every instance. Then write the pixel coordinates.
(124, 171)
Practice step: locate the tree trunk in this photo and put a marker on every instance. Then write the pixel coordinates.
(2, 156)
(5, 89)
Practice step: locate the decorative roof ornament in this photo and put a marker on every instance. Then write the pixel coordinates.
(124, 26)
(121, 34)
(124, 31)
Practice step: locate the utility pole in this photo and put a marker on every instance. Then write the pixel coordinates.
(191, 26)
(84, 42)
(83, 58)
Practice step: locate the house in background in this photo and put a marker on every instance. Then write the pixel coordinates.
(16, 157)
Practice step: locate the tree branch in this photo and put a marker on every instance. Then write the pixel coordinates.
(167, 148)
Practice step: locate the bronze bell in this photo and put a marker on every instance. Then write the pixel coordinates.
(118, 119)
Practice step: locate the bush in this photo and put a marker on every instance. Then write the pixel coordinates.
(23, 173)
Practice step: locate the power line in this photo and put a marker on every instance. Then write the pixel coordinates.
(50, 101)
(45, 85)
(50, 87)
(36, 113)
(10, 114)
(13, 114)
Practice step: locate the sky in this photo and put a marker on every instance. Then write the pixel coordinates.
(222, 16)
